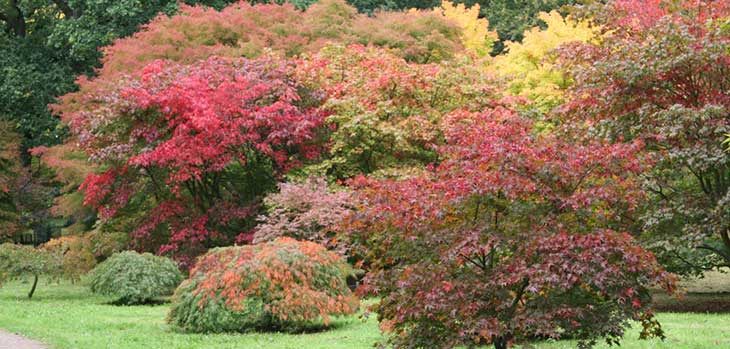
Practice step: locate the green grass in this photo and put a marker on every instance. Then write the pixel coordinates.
(67, 316)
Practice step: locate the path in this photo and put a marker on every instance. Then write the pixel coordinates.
(14, 341)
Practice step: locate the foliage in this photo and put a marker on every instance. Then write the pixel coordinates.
(45, 44)
(660, 77)
(17, 261)
(528, 65)
(79, 254)
(512, 18)
(305, 211)
(31, 80)
(385, 109)
(70, 167)
(475, 35)
(76, 258)
(133, 278)
(206, 163)
(509, 18)
(282, 284)
(514, 235)
(421, 36)
(241, 29)
(10, 224)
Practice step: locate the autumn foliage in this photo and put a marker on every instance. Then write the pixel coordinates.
(513, 236)
(244, 30)
(283, 284)
(305, 211)
(659, 76)
(491, 200)
(386, 109)
(249, 124)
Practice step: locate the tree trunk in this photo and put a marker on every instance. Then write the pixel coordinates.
(32, 289)
(500, 342)
(15, 19)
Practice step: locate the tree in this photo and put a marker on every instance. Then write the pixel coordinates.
(512, 18)
(529, 65)
(509, 18)
(45, 44)
(188, 176)
(198, 32)
(9, 170)
(18, 260)
(385, 109)
(659, 77)
(476, 35)
(515, 235)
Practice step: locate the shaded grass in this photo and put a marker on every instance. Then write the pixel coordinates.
(68, 316)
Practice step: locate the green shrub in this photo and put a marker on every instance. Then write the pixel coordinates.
(284, 284)
(133, 278)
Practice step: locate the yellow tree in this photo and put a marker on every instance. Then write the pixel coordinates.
(476, 35)
(528, 66)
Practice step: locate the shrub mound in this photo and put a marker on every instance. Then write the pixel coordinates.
(283, 284)
(134, 278)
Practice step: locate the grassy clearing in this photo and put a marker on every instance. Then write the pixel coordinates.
(67, 316)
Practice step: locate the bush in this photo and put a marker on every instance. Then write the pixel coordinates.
(134, 278)
(284, 284)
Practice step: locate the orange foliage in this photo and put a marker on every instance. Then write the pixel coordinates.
(289, 281)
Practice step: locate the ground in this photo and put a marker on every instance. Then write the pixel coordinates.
(68, 316)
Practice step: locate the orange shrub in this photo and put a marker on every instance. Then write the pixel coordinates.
(284, 284)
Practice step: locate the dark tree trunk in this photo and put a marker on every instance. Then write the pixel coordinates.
(14, 19)
(32, 289)
(500, 342)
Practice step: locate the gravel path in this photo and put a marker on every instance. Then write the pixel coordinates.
(14, 341)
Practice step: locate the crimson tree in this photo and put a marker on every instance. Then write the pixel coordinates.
(515, 235)
(189, 149)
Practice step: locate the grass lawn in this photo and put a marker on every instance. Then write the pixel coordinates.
(67, 316)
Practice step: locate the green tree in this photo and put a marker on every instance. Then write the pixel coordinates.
(18, 261)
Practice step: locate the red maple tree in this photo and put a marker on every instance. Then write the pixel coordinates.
(189, 149)
(515, 235)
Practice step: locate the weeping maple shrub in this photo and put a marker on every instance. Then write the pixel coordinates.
(283, 284)
(188, 150)
(516, 235)
(134, 278)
